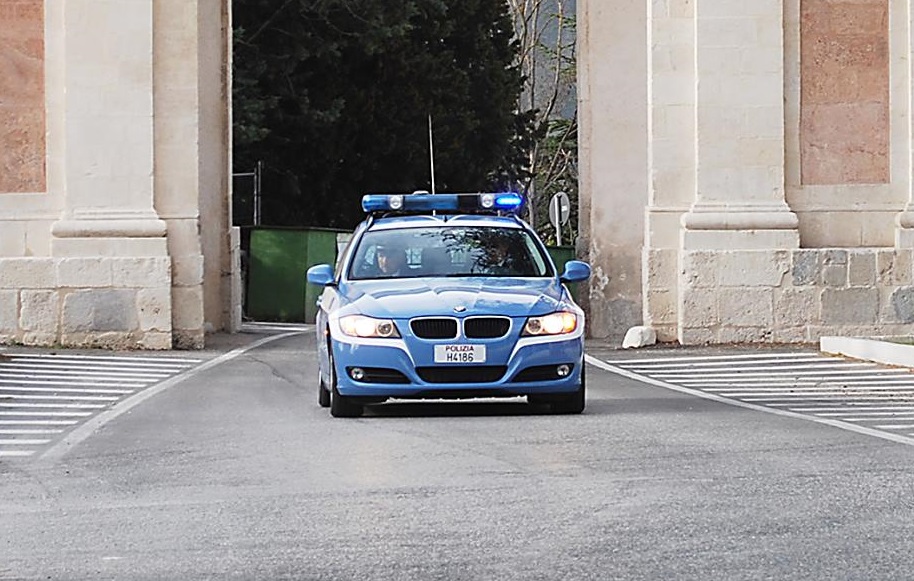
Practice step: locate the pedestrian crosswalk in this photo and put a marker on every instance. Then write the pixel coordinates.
(875, 396)
(43, 396)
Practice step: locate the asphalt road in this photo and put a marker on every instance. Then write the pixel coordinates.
(236, 473)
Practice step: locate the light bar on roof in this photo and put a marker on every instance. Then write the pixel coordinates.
(424, 202)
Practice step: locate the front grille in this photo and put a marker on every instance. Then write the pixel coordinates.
(538, 373)
(434, 328)
(486, 327)
(462, 374)
(380, 375)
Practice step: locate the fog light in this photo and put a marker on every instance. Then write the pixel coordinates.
(563, 370)
(357, 373)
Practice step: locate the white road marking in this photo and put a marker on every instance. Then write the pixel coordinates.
(116, 358)
(93, 383)
(23, 442)
(855, 407)
(5, 389)
(38, 422)
(663, 363)
(58, 374)
(58, 397)
(20, 362)
(85, 430)
(28, 432)
(767, 404)
(781, 369)
(15, 453)
(791, 355)
(47, 414)
(85, 406)
(831, 374)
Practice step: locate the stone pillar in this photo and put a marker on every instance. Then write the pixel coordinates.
(734, 237)
(192, 147)
(904, 221)
(739, 197)
(612, 97)
(112, 268)
(672, 159)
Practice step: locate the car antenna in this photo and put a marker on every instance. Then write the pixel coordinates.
(431, 151)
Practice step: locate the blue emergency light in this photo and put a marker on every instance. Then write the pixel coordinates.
(425, 202)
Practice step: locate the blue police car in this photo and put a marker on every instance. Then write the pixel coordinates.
(447, 296)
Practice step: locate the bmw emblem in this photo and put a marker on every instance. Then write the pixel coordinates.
(459, 309)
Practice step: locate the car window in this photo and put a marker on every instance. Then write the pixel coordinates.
(448, 251)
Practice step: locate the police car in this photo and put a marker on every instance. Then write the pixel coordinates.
(448, 296)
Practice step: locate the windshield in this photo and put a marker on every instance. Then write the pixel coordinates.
(448, 251)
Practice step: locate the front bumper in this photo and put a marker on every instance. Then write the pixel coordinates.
(513, 368)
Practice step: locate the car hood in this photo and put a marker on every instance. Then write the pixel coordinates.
(407, 298)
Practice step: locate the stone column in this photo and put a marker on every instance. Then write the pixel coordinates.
(109, 132)
(904, 221)
(111, 263)
(735, 236)
(739, 197)
(612, 97)
(672, 159)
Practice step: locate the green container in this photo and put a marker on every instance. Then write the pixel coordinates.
(279, 258)
(560, 255)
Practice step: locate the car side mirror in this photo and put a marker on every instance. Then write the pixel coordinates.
(575, 271)
(321, 275)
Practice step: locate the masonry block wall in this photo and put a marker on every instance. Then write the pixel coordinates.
(115, 303)
(778, 200)
(115, 222)
(795, 296)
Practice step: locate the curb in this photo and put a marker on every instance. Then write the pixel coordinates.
(878, 350)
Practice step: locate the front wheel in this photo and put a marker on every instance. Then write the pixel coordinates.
(342, 406)
(572, 403)
(323, 394)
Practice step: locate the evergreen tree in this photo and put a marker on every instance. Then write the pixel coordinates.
(334, 97)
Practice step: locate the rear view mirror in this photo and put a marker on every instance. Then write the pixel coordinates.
(321, 275)
(575, 271)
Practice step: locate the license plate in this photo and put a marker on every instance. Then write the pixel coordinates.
(460, 353)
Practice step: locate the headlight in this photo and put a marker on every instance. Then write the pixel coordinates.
(555, 324)
(361, 326)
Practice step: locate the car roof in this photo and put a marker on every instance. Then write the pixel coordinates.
(445, 221)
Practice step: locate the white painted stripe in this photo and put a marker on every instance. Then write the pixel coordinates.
(895, 427)
(740, 369)
(852, 408)
(93, 383)
(82, 364)
(900, 439)
(868, 416)
(93, 367)
(810, 388)
(28, 432)
(75, 406)
(662, 363)
(38, 422)
(151, 360)
(5, 389)
(789, 355)
(88, 428)
(832, 399)
(786, 381)
(802, 394)
(830, 374)
(46, 414)
(15, 453)
(4, 396)
(93, 375)
(23, 442)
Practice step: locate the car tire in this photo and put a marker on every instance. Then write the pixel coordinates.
(572, 403)
(340, 405)
(323, 394)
